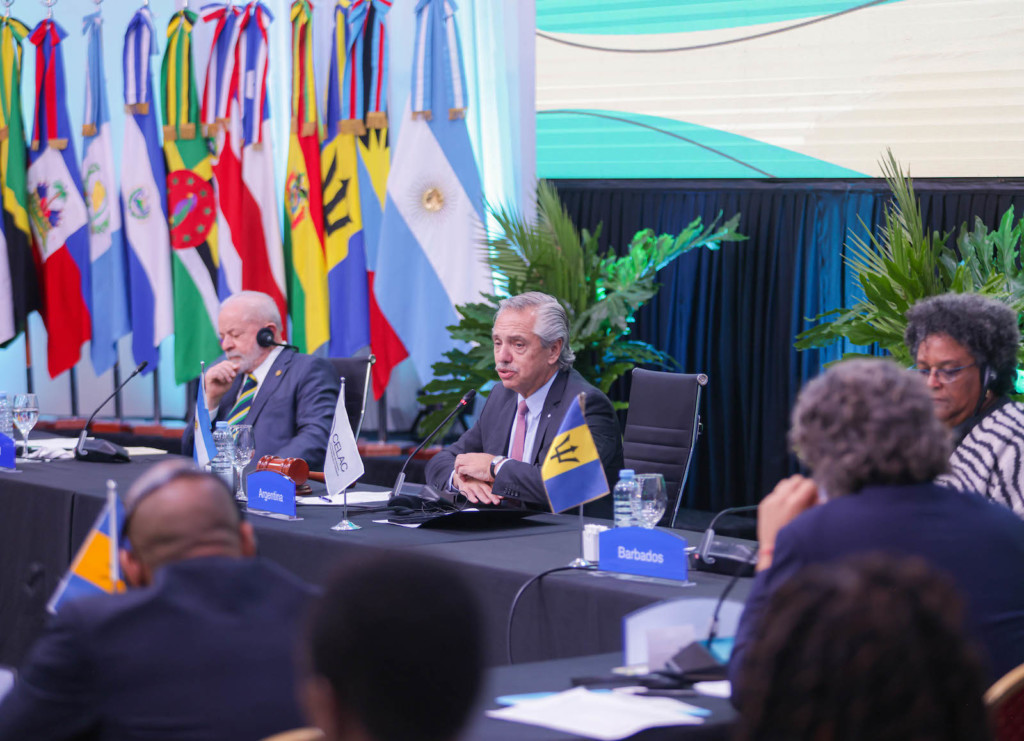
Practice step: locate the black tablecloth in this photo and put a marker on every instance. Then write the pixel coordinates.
(47, 509)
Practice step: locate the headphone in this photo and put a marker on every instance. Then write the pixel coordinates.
(988, 377)
(265, 338)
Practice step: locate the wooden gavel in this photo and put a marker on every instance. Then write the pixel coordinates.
(294, 468)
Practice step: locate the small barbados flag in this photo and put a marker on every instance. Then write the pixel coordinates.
(96, 569)
(572, 471)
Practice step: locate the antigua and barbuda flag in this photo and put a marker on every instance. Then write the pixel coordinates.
(343, 222)
(191, 206)
(305, 261)
(429, 254)
(96, 568)
(110, 313)
(572, 470)
(57, 211)
(22, 294)
(144, 195)
(364, 103)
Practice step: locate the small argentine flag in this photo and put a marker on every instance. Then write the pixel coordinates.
(572, 471)
(204, 448)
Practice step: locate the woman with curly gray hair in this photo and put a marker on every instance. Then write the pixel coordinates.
(867, 430)
(965, 347)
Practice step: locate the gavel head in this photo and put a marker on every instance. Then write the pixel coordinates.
(294, 468)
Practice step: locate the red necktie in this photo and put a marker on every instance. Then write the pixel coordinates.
(519, 441)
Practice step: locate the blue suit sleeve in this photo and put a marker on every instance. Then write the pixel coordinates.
(54, 697)
(316, 397)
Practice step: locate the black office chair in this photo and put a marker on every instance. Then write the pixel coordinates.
(662, 427)
(356, 372)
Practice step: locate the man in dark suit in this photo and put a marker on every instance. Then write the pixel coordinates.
(287, 397)
(499, 458)
(868, 431)
(201, 646)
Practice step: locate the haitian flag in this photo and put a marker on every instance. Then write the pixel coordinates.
(191, 205)
(305, 263)
(429, 254)
(363, 97)
(57, 211)
(23, 289)
(110, 317)
(143, 191)
(343, 223)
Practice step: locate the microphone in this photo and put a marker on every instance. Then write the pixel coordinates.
(104, 451)
(722, 557)
(265, 338)
(463, 402)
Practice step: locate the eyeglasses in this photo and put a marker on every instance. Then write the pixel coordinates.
(945, 375)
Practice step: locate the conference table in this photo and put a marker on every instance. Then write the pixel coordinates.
(47, 508)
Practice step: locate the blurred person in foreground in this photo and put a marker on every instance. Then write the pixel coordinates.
(199, 647)
(965, 346)
(870, 648)
(395, 652)
(868, 432)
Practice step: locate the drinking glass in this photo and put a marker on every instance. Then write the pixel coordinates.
(648, 500)
(245, 445)
(26, 413)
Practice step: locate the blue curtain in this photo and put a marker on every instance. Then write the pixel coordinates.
(733, 313)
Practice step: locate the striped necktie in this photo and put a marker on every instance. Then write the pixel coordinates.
(241, 408)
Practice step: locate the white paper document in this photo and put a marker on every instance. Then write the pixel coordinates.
(354, 497)
(601, 715)
(718, 688)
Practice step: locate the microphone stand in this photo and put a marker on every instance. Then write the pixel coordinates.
(463, 402)
(104, 451)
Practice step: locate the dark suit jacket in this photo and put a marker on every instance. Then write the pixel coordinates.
(520, 481)
(976, 542)
(206, 652)
(291, 416)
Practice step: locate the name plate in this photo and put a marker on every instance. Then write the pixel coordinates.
(271, 492)
(6, 452)
(636, 550)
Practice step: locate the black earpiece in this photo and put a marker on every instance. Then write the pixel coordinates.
(265, 337)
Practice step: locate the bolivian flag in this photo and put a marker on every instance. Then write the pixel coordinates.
(96, 569)
(572, 471)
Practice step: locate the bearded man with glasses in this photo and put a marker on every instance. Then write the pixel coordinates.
(965, 346)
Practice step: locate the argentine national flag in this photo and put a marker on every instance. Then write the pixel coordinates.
(106, 238)
(429, 255)
(144, 194)
(204, 448)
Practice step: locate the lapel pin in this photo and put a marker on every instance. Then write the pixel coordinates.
(278, 373)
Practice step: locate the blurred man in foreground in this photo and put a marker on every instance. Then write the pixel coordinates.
(199, 648)
(867, 430)
(287, 397)
(500, 457)
(396, 652)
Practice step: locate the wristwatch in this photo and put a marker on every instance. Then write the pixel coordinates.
(495, 462)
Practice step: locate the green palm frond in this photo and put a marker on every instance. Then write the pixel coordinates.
(903, 263)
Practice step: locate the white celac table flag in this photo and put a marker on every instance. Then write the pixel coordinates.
(343, 465)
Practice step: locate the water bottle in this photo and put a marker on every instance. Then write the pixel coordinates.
(621, 495)
(221, 465)
(6, 416)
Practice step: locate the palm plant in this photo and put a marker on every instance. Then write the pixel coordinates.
(905, 263)
(600, 291)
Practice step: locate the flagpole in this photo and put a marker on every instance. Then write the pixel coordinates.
(580, 562)
(156, 396)
(345, 524)
(73, 382)
(117, 396)
(115, 566)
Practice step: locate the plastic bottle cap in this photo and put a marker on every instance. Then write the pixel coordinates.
(627, 473)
